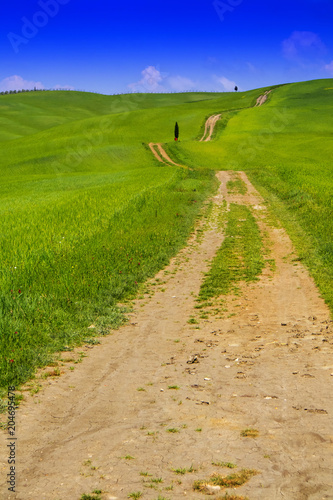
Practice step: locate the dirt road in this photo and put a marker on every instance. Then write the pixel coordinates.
(263, 98)
(212, 120)
(209, 127)
(160, 154)
(136, 406)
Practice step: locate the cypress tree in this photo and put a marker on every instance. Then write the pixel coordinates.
(176, 131)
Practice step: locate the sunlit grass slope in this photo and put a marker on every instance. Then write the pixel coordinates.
(286, 147)
(87, 213)
(27, 113)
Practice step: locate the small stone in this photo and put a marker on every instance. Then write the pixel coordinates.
(193, 359)
(213, 489)
(207, 378)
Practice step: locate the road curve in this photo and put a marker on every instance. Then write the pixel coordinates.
(209, 127)
(263, 98)
(160, 154)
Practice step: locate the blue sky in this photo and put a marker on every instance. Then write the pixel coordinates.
(152, 46)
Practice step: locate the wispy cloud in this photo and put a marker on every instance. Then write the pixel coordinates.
(329, 68)
(180, 83)
(63, 87)
(150, 81)
(228, 85)
(302, 44)
(154, 81)
(16, 82)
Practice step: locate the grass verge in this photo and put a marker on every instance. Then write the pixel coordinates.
(230, 481)
(70, 264)
(240, 257)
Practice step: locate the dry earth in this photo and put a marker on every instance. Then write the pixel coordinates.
(263, 98)
(209, 127)
(160, 153)
(267, 366)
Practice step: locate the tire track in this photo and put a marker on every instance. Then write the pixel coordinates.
(209, 127)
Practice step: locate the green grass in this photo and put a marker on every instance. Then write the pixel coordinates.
(183, 471)
(253, 433)
(285, 146)
(135, 494)
(238, 259)
(229, 465)
(230, 481)
(87, 214)
(94, 496)
(236, 186)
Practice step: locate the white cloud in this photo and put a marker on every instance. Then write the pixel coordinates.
(155, 81)
(329, 67)
(16, 82)
(150, 81)
(228, 85)
(302, 43)
(180, 83)
(63, 87)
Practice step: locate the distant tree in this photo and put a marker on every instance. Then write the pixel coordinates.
(176, 132)
(236, 88)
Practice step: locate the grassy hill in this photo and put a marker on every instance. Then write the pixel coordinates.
(286, 147)
(88, 213)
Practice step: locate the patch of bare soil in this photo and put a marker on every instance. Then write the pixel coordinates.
(161, 394)
(263, 98)
(160, 153)
(209, 127)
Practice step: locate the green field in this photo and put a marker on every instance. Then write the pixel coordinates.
(88, 214)
(286, 148)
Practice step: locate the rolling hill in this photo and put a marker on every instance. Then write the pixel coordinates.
(88, 214)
